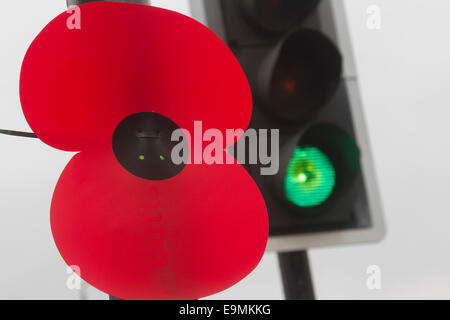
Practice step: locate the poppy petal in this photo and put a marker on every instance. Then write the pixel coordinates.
(76, 85)
(183, 238)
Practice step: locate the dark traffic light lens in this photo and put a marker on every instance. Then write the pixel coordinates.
(276, 16)
(300, 75)
(310, 177)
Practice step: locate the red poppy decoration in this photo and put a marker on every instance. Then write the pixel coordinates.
(137, 225)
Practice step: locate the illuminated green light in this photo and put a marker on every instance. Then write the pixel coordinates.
(302, 177)
(310, 177)
(162, 158)
(141, 157)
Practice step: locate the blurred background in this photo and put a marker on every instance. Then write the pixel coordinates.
(404, 71)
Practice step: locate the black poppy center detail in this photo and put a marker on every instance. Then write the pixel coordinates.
(142, 145)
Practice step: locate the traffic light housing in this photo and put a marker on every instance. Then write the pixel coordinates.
(297, 58)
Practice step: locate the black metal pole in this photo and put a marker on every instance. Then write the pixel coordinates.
(18, 133)
(296, 275)
(78, 2)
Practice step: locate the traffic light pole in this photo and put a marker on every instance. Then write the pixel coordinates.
(296, 275)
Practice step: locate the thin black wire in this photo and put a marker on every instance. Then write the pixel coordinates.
(18, 133)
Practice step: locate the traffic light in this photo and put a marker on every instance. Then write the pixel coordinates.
(297, 58)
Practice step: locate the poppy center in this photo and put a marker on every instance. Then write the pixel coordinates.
(142, 145)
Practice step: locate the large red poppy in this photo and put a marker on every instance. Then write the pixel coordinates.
(185, 237)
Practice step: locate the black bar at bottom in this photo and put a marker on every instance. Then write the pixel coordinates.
(296, 275)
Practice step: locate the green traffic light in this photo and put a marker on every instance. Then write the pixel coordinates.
(310, 177)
